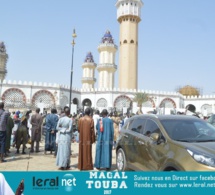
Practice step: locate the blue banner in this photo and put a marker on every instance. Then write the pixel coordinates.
(39, 183)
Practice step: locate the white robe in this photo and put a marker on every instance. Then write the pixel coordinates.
(63, 139)
(4, 186)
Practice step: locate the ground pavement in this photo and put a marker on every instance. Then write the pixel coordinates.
(42, 162)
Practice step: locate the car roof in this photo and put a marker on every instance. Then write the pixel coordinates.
(163, 117)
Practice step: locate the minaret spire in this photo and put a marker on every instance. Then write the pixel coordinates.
(3, 61)
(88, 79)
(107, 66)
(128, 16)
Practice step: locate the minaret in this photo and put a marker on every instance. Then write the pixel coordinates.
(88, 79)
(107, 67)
(3, 61)
(128, 15)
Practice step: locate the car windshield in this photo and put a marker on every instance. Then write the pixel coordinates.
(189, 130)
(211, 119)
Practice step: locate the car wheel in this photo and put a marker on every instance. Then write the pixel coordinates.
(121, 160)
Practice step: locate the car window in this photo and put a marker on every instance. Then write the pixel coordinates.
(151, 127)
(128, 124)
(211, 119)
(138, 125)
(195, 130)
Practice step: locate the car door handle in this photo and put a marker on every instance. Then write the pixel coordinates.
(141, 143)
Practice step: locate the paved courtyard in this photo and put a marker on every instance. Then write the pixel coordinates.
(40, 161)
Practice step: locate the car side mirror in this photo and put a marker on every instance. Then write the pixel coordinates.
(155, 137)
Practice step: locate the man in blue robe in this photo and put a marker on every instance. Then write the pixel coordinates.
(105, 132)
(51, 124)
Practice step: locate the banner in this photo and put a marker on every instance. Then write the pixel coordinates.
(102, 182)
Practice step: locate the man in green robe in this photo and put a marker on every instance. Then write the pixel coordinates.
(21, 135)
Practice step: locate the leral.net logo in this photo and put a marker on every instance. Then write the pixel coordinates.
(68, 182)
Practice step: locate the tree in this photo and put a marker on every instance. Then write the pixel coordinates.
(140, 98)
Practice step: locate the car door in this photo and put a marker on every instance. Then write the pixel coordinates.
(138, 143)
(152, 153)
(127, 137)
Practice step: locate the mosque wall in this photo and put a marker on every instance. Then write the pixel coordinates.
(22, 95)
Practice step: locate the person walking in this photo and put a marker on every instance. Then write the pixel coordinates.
(3, 127)
(105, 132)
(10, 125)
(96, 117)
(51, 125)
(36, 122)
(63, 140)
(86, 139)
(116, 122)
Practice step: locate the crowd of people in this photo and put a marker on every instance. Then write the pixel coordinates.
(87, 128)
(61, 130)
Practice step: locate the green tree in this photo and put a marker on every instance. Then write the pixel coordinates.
(140, 98)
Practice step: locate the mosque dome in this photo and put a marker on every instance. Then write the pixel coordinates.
(189, 91)
(89, 57)
(107, 38)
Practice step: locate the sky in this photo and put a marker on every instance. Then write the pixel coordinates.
(176, 41)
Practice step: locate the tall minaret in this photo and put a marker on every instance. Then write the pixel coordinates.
(107, 66)
(128, 15)
(88, 79)
(3, 61)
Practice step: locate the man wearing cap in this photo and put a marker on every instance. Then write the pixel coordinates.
(3, 125)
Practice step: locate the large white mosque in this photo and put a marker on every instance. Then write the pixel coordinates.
(19, 95)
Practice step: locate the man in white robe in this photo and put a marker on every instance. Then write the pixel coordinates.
(5, 189)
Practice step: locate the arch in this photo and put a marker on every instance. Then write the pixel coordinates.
(87, 103)
(101, 103)
(43, 99)
(206, 108)
(14, 98)
(122, 101)
(64, 101)
(190, 107)
(132, 41)
(150, 103)
(75, 101)
(125, 41)
(167, 103)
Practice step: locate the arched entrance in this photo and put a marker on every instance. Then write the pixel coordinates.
(75, 101)
(86, 103)
(167, 106)
(14, 99)
(43, 99)
(122, 102)
(191, 108)
(149, 104)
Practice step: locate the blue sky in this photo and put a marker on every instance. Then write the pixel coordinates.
(176, 40)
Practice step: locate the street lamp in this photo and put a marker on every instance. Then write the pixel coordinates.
(73, 45)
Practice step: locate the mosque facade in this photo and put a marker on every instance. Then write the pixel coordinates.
(20, 95)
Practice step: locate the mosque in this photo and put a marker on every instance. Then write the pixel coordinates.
(19, 95)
